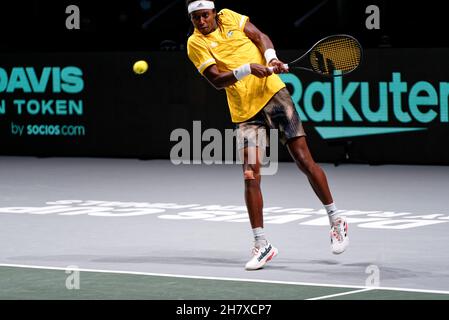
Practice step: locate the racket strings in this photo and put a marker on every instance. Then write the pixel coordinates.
(336, 53)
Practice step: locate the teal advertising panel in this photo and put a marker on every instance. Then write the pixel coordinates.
(393, 109)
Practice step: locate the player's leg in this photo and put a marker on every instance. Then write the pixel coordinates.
(253, 193)
(339, 228)
(249, 149)
(283, 116)
(263, 251)
(301, 155)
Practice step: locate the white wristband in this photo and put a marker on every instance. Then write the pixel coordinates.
(270, 54)
(242, 71)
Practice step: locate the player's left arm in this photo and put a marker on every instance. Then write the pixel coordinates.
(265, 45)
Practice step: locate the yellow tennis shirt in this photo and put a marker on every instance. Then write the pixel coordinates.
(228, 47)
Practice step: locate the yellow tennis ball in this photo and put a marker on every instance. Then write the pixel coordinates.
(140, 67)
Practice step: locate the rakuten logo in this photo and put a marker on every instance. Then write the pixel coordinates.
(419, 103)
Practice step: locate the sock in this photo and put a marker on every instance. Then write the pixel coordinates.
(259, 237)
(332, 212)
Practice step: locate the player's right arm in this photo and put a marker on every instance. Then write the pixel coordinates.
(222, 80)
(206, 64)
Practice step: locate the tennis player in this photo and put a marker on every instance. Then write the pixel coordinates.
(232, 53)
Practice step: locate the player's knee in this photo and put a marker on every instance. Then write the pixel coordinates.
(251, 172)
(249, 175)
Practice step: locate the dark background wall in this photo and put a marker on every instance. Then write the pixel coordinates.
(130, 25)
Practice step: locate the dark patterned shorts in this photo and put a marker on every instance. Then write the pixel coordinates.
(279, 113)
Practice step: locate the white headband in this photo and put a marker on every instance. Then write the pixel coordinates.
(200, 5)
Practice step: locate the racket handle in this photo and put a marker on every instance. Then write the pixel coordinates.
(272, 68)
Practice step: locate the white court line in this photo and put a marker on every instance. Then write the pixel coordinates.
(310, 284)
(340, 294)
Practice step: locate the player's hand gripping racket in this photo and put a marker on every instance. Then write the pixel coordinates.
(334, 55)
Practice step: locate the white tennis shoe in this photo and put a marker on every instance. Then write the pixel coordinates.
(261, 256)
(339, 235)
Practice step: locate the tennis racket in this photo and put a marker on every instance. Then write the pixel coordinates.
(334, 55)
